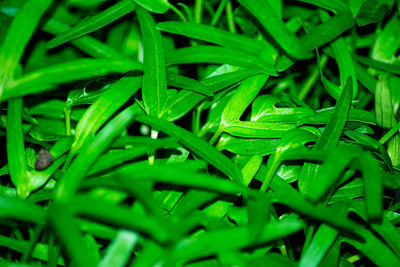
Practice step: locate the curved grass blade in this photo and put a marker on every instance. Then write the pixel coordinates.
(177, 80)
(103, 108)
(87, 44)
(329, 138)
(69, 183)
(213, 35)
(237, 104)
(346, 65)
(16, 148)
(181, 103)
(333, 131)
(94, 23)
(197, 145)
(242, 98)
(17, 38)
(47, 78)
(334, 6)
(219, 55)
(154, 87)
(266, 15)
(155, 6)
(224, 80)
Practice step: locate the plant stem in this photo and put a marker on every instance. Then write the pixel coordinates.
(229, 17)
(312, 79)
(389, 134)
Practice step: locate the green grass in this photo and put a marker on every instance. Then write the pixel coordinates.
(199, 133)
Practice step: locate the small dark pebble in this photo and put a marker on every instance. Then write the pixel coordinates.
(43, 160)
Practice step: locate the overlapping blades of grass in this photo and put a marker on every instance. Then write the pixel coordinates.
(197, 145)
(103, 108)
(18, 35)
(48, 78)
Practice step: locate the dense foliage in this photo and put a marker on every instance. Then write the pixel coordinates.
(199, 133)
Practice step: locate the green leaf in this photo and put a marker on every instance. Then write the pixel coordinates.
(218, 55)
(18, 36)
(333, 131)
(47, 78)
(103, 108)
(383, 104)
(94, 23)
(242, 98)
(155, 6)
(182, 102)
(181, 81)
(69, 183)
(266, 15)
(16, 148)
(253, 129)
(213, 35)
(154, 87)
(197, 145)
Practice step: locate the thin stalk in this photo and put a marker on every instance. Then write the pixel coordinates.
(177, 12)
(67, 113)
(389, 134)
(218, 13)
(215, 136)
(270, 174)
(198, 11)
(229, 17)
(312, 79)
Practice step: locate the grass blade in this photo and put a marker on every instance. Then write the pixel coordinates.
(154, 88)
(16, 148)
(219, 55)
(213, 35)
(69, 183)
(266, 15)
(181, 81)
(94, 23)
(47, 78)
(103, 108)
(155, 6)
(18, 36)
(197, 145)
